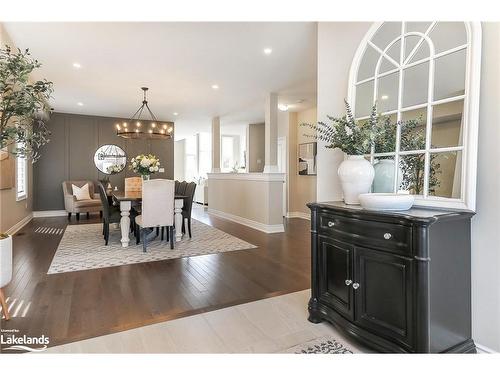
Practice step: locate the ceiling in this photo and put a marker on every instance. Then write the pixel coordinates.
(179, 62)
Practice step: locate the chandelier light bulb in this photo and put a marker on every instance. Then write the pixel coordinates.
(137, 130)
(153, 125)
(170, 130)
(138, 123)
(118, 126)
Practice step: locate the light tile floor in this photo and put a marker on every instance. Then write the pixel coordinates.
(265, 326)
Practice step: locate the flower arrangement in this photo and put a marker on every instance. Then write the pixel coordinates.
(114, 169)
(145, 165)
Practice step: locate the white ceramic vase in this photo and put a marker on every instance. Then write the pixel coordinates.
(356, 175)
(384, 176)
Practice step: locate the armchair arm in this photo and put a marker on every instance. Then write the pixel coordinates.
(69, 201)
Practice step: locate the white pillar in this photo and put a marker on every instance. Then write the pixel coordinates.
(271, 134)
(216, 145)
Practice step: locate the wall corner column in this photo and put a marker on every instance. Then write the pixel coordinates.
(216, 144)
(271, 134)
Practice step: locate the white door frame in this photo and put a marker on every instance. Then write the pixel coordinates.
(283, 167)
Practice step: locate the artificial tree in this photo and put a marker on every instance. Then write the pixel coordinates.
(23, 104)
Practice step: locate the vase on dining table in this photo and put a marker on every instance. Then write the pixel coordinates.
(146, 177)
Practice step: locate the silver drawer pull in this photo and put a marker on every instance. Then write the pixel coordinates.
(355, 286)
(348, 282)
(330, 224)
(387, 236)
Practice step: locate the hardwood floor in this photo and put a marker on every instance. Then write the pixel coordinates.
(78, 305)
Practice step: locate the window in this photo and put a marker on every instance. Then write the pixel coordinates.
(21, 177)
(427, 72)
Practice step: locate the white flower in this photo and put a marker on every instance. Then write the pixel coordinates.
(156, 168)
(145, 163)
(151, 169)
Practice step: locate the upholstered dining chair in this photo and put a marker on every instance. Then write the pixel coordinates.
(157, 209)
(5, 272)
(133, 184)
(188, 206)
(75, 206)
(111, 214)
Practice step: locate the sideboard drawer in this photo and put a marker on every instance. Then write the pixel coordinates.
(384, 236)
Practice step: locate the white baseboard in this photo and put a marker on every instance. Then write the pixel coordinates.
(484, 349)
(266, 228)
(51, 213)
(15, 228)
(298, 215)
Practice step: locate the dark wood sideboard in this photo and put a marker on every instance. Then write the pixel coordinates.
(395, 281)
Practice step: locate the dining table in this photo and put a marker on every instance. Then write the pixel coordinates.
(126, 198)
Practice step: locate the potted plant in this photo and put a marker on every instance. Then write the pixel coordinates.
(23, 111)
(354, 138)
(145, 165)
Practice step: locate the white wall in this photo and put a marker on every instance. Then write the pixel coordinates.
(337, 43)
(179, 160)
(486, 223)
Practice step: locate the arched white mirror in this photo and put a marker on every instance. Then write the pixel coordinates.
(429, 72)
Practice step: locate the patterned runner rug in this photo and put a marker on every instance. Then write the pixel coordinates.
(322, 345)
(82, 247)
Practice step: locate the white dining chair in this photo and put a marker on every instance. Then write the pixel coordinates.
(157, 209)
(5, 271)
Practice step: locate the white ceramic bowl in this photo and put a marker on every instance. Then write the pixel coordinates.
(386, 201)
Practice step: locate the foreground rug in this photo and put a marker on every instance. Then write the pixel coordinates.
(322, 345)
(82, 247)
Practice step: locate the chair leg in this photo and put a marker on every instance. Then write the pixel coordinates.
(162, 230)
(167, 230)
(157, 231)
(137, 234)
(103, 228)
(189, 226)
(100, 214)
(144, 239)
(88, 215)
(172, 239)
(107, 233)
(4, 305)
(77, 216)
(69, 216)
(183, 226)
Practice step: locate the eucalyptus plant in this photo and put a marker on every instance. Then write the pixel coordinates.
(23, 104)
(345, 133)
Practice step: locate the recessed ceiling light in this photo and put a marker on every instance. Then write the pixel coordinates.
(385, 97)
(76, 65)
(268, 51)
(176, 113)
(283, 107)
(215, 86)
(80, 104)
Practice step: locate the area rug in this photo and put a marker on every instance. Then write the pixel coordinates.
(82, 247)
(322, 345)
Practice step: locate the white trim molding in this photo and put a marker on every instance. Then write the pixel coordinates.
(298, 215)
(247, 176)
(16, 227)
(481, 349)
(52, 213)
(266, 228)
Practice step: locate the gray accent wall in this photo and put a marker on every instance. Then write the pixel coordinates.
(70, 156)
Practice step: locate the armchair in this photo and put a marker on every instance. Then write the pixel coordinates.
(74, 206)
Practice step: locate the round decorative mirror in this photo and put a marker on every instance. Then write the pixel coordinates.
(110, 159)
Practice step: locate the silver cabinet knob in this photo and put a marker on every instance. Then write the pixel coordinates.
(348, 282)
(387, 236)
(355, 285)
(331, 224)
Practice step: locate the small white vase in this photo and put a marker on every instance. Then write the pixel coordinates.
(384, 176)
(356, 175)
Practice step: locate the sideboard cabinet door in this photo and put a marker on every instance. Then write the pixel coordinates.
(384, 295)
(335, 276)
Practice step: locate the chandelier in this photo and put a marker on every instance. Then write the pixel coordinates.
(136, 128)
